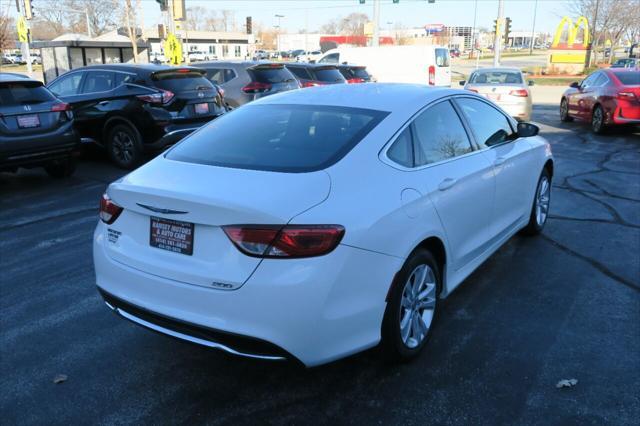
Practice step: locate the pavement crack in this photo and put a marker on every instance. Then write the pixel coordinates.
(597, 265)
(579, 219)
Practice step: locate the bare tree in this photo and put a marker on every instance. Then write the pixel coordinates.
(6, 28)
(228, 20)
(56, 17)
(353, 24)
(331, 27)
(608, 19)
(131, 26)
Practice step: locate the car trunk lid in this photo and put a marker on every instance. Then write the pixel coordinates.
(27, 108)
(500, 93)
(205, 198)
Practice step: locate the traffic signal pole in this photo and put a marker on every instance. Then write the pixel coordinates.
(375, 40)
(497, 41)
(27, 14)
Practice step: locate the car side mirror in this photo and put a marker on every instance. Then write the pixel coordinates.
(575, 85)
(462, 82)
(526, 130)
(531, 82)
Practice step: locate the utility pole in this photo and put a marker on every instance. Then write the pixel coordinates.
(376, 23)
(533, 28)
(27, 15)
(473, 30)
(497, 41)
(278, 32)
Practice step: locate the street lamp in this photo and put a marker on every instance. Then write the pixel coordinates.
(278, 31)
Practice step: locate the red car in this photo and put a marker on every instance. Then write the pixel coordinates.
(606, 98)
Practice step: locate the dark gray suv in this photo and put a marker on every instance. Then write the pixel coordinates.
(245, 81)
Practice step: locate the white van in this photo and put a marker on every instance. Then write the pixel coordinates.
(397, 64)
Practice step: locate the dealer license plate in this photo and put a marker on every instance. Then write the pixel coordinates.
(172, 235)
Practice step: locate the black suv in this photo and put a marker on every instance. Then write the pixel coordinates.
(131, 109)
(245, 81)
(316, 74)
(354, 73)
(36, 128)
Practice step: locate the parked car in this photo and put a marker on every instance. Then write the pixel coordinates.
(245, 81)
(132, 109)
(309, 56)
(605, 98)
(36, 128)
(199, 55)
(626, 63)
(455, 53)
(310, 75)
(260, 55)
(14, 58)
(397, 64)
(295, 53)
(506, 87)
(354, 73)
(354, 210)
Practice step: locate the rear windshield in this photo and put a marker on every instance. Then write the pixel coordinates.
(360, 73)
(442, 57)
(629, 78)
(330, 75)
(181, 81)
(24, 93)
(271, 75)
(496, 77)
(280, 138)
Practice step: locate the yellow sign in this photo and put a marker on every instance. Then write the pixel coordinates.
(569, 58)
(173, 49)
(368, 29)
(23, 31)
(572, 32)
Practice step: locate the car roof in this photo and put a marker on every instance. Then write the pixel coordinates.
(145, 68)
(379, 96)
(10, 77)
(499, 69)
(308, 65)
(237, 63)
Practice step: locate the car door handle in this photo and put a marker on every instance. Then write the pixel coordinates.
(103, 103)
(447, 183)
(499, 161)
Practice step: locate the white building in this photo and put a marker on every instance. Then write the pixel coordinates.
(221, 45)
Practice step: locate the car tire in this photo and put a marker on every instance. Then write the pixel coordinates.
(61, 168)
(400, 344)
(540, 208)
(564, 111)
(124, 146)
(597, 120)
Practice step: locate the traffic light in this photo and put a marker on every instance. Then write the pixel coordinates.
(249, 25)
(28, 10)
(164, 5)
(396, 1)
(495, 26)
(432, 1)
(179, 10)
(507, 30)
(361, 1)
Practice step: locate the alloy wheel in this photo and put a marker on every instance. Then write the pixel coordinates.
(564, 109)
(597, 119)
(543, 196)
(418, 306)
(123, 147)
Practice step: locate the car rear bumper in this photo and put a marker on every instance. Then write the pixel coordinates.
(39, 149)
(519, 111)
(314, 310)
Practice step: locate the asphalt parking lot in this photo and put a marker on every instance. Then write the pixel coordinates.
(565, 305)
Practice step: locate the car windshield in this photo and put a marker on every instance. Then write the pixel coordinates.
(280, 138)
(24, 93)
(180, 81)
(496, 77)
(629, 78)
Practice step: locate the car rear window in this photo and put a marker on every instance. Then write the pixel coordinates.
(180, 81)
(628, 78)
(330, 75)
(360, 73)
(442, 57)
(24, 93)
(278, 74)
(280, 138)
(496, 77)
(300, 72)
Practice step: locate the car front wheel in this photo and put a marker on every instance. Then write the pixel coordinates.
(564, 111)
(411, 307)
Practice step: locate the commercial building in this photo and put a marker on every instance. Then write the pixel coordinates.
(220, 45)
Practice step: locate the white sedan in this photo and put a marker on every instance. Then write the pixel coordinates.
(317, 223)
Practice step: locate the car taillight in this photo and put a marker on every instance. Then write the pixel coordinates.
(162, 97)
(519, 92)
(289, 241)
(256, 87)
(432, 75)
(355, 80)
(627, 96)
(60, 107)
(109, 211)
